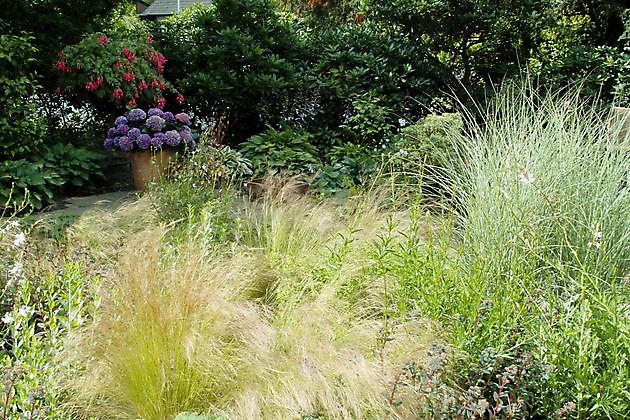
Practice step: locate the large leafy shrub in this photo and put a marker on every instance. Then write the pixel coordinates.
(364, 79)
(21, 129)
(239, 61)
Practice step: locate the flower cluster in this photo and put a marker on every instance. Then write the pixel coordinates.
(123, 72)
(150, 130)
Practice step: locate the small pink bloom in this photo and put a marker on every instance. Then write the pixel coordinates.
(150, 39)
(118, 93)
(132, 103)
(102, 40)
(142, 85)
(160, 102)
(129, 77)
(180, 99)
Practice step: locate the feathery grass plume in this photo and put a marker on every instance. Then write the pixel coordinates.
(189, 331)
(104, 232)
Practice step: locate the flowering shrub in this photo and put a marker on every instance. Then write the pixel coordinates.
(151, 130)
(119, 71)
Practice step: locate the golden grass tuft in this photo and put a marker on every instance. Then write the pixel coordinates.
(249, 334)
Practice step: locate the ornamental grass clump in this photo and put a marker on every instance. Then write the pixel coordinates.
(542, 195)
(242, 333)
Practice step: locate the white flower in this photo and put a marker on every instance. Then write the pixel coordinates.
(24, 311)
(526, 178)
(403, 152)
(402, 122)
(19, 240)
(16, 270)
(7, 318)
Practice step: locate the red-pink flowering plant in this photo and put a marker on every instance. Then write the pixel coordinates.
(119, 72)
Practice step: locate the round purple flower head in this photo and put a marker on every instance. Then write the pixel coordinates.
(155, 123)
(144, 141)
(111, 133)
(173, 138)
(155, 111)
(120, 120)
(108, 144)
(186, 134)
(126, 144)
(183, 118)
(136, 115)
(121, 130)
(133, 134)
(158, 140)
(168, 116)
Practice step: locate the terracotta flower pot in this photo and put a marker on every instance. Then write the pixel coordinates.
(147, 166)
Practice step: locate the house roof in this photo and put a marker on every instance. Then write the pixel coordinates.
(169, 7)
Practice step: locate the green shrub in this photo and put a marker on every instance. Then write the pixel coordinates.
(21, 128)
(288, 151)
(47, 173)
(239, 62)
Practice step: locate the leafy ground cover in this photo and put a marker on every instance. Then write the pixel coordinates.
(501, 291)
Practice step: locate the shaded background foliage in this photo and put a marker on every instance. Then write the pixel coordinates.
(348, 73)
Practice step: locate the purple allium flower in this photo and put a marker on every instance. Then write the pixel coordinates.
(158, 140)
(155, 123)
(144, 141)
(183, 118)
(126, 144)
(108, 144)
(121, 130)
(155, 111)
(168, 116)
(136, 115)
(120, 120)
(173, 138)
(111, 133)
(186, 134)
(133, 134)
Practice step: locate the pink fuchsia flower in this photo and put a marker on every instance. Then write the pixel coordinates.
(117, 64)
(102, 40)
(118, 93)
(91, 86)
(162, 85)
(132, 103)
(180, 99)
(160, 102)
(183, 118)
(155, 84)
(142, 85)
(150, 39)
(130, 56)
(129, 76)
(63, 67)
